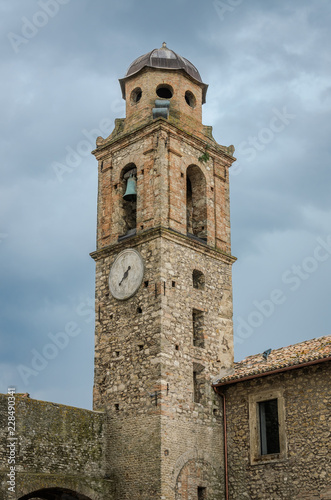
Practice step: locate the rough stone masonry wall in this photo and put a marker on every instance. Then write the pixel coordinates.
(57, 446)
(127, 340)
(305, 473)
(192, 432)
(144, 363)
(127, 374)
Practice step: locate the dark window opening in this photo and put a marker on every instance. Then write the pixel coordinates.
(136, 95)
(139, 310)
(117, 353)
(198, 280)
(164, 91)
(146, 284)
(202, 493)
(190, 99)
(269, 427)
(196, 203)
(140, 346)
(177, 347)
(198, 324)
(117, 406)
(173, 284)
(198, 383)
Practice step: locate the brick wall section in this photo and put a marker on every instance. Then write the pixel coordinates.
(162, 154)
(305, 473)
(162, 151)
(57, 445)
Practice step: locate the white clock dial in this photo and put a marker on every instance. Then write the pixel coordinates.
(126, 274)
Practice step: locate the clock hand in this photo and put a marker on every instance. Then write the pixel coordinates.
(125, 275)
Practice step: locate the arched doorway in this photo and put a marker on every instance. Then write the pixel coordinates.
(54, 494)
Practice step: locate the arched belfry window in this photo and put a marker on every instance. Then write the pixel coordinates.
(129, 200)
(196, 204)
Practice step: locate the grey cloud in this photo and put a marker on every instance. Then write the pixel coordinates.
(264, 55)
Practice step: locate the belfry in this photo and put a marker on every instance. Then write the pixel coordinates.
(163, 285)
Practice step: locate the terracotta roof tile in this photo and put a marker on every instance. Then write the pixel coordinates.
(285, 357)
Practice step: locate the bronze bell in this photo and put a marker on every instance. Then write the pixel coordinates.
(131, 189)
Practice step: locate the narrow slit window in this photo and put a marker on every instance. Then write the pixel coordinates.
(198, 383)
(196, 389)
(198, 324)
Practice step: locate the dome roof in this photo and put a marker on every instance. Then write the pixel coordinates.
(163, 58)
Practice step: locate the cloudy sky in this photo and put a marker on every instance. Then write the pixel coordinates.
(267, 64)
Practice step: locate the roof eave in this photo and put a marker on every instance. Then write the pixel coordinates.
(271, 372)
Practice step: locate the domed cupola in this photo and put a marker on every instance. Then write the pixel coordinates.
(165, 59)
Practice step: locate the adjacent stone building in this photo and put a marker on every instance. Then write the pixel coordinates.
(174, 417)
(277, 409)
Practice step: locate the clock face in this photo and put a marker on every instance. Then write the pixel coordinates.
(126, 274)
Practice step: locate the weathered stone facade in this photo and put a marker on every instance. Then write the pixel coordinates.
(303, 471)
(145, 361)
(157, 352)
(58, 447)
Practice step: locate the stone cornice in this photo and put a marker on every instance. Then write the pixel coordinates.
(169, 234)
(214, 149)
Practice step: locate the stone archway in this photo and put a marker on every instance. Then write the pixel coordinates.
(198, 480)
(54, 494)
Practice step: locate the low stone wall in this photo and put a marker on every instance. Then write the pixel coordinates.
(57, 446)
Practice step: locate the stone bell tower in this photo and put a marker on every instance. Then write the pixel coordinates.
(163, 286)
